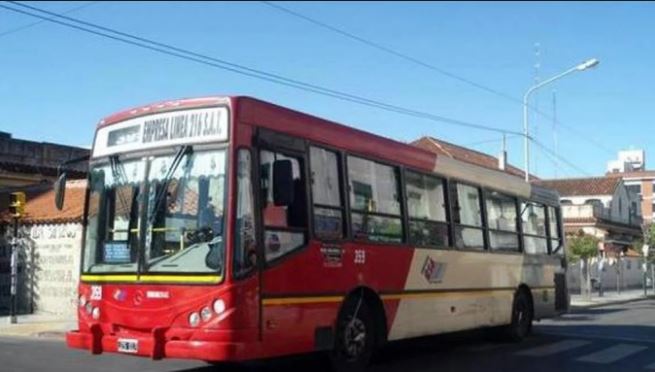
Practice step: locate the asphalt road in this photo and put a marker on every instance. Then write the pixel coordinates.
(610, 338)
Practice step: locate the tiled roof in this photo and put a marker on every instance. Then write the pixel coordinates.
(41, 208)
(582, 186)
(444, 148)
(37, 169)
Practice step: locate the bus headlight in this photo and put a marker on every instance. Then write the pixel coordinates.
(194, 319)
(82, 301)
(219, 306)
(96, 313)
(88, 308)
(205, 314)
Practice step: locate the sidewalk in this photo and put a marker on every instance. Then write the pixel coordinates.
(38, 325)
(609, 297)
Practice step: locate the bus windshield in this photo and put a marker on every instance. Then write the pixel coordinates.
(183, 217)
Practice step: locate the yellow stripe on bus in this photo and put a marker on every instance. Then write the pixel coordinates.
(300, 300)
(395, 296)
(105, 278)
(209, 279)
(419, 295)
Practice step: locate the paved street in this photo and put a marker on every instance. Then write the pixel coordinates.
(610, 338)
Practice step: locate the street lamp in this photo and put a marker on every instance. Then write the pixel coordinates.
(526, 132)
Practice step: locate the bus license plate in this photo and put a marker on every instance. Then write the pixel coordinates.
(128, 345)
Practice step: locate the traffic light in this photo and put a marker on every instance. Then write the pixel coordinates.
(17, 204)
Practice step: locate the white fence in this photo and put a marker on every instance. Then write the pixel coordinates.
(628, 271)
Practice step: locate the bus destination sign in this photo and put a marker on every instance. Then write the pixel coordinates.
(165, 129)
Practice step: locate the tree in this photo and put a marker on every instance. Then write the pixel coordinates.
(582, 247)
(648, 239)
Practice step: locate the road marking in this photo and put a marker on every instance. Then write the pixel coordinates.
(612, 354)
(597, 336)
(554, 348)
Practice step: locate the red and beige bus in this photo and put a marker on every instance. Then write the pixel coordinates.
(231, 229)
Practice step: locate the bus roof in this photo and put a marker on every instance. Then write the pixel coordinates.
(295, 123)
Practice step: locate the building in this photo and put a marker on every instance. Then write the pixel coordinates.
(457, 152)
(25, 162)
(605, 208)
(49, 253)
(631, 168)
(50, 239)
(628, 161)
(599, 206)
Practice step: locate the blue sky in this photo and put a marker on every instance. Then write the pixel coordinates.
(56, 83)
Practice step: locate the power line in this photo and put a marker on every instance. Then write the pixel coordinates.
(556, 156)
(429, 66)
(30, 25)
(491, 140)
(251, 72)
(237, 68)
(387, 50)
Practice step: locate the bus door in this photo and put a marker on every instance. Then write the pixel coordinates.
(283, 212)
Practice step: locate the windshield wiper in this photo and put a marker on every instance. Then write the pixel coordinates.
(118, 172)
(159, 196)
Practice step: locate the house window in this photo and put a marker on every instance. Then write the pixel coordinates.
(634, 189)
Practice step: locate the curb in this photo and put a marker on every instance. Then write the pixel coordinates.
(53, 335)
(616, 302)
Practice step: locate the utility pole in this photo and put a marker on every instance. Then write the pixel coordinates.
(16, 210)
(644, 268)
(14, 273)
(555, 142)
(537, 80)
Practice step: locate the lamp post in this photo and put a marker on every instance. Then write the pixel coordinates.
(526, 131)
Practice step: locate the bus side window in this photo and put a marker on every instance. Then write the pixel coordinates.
(245, 257)
(554, 226)
(326, 194)
(467, 216)
(502, 222)
(375, 208)
(535, 238)
(285, 226)
(426, 210)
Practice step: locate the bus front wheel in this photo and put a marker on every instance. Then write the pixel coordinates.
(355, 337)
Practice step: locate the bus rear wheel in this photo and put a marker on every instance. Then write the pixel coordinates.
(355, 338)
(522, 316)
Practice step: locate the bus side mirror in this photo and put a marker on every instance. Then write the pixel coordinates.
(282, 182)
(60, 191)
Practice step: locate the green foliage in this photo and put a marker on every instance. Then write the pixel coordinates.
(649, 235)
(582, 246)
(649, 238)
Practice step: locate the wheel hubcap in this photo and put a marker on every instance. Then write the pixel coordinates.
(355, 338)
(522, 318)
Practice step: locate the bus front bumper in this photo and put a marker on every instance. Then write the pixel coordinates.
(156, 346)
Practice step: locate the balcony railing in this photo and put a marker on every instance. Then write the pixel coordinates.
(599, 212)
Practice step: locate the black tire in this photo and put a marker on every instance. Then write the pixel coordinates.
(522, 316)
(355, 338)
